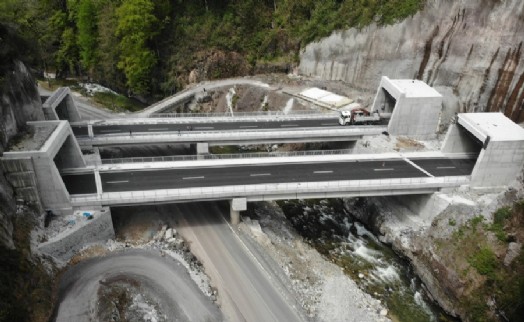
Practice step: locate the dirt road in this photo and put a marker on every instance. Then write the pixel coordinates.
(246, 291)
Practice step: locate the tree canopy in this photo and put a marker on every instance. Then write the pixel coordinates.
(148, 48)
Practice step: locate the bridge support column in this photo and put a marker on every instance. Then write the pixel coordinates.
(202, 148)
(237, 205)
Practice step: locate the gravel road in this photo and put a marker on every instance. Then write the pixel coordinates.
(246, 291)
(161, 278)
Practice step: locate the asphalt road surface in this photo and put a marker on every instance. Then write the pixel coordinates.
(81, 130)
(162, 278)
(260, 174)
(446, 167)
(256, 174)
(246, 292)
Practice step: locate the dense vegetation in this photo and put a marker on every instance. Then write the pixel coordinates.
(149, 47)
(491, 289)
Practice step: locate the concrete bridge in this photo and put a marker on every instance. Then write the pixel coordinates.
(483, 150)
(268, 178)
(209, 132)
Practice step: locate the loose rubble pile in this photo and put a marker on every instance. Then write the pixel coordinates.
(323, 290)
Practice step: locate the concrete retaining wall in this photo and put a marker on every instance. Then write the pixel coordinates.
(83, 233)
(21, 175)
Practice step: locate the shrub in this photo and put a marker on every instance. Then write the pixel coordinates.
(485, 262)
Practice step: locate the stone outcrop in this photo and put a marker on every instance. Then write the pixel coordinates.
(19, 103)
(469, 50)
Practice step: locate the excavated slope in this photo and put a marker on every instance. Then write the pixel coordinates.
(469, 50)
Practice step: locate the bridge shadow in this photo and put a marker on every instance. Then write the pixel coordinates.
(141, 223)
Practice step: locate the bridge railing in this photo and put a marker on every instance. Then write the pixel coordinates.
(302, 113)
(231, 135)
(278, 191)
(224, 156)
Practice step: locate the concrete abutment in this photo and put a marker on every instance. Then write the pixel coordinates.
(35, 173)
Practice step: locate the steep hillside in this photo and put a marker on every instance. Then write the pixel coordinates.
(469, 50)
(19, 103)
(25, 284)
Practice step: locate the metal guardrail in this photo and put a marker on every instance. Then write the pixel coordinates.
(223, 156)
(309, 113)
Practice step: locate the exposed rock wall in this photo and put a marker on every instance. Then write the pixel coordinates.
(19, 103)
(469, 50)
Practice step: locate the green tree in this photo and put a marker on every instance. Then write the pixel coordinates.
(108, 53)
(86, 23)
(67, 56)
(136, 28)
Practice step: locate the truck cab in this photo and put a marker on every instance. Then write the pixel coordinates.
(358, 116)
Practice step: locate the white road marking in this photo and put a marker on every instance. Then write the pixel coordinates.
(288, 125)
(446, 167)
(248, 126)
(192, 178)
(328, 123)
(259, 174)
(109, 131)
(158, 129)
(321, 172)
(204, 128)
(122, 181)
(384, 169)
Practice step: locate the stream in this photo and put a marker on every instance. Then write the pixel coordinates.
(374, 266)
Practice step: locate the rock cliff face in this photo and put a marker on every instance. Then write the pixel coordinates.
(469, 50)
(19, 103)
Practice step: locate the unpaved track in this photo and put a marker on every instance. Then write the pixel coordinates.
(163, 279)
(246, 291)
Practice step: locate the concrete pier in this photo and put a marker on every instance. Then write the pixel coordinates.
(202, 148)
(236, 206)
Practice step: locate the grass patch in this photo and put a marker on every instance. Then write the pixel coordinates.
(484, 261)
(117, 103)
(499, 220)
(478, 258)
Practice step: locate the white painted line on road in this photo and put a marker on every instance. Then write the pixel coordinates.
(259, 174)
(158, 129)
(384, 169)
(418, 167)
(328, 123)
(321, 172)
(446, 167)
(122, 181)
(109, 131)
(288, 125)
(192, 178)
(204, 128)
(248, 126)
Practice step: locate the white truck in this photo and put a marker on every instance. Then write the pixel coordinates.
(358, 116)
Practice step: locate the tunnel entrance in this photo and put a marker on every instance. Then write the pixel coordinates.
(384, 102)
(389, 102)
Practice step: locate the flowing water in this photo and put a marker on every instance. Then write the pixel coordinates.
(327, 226)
